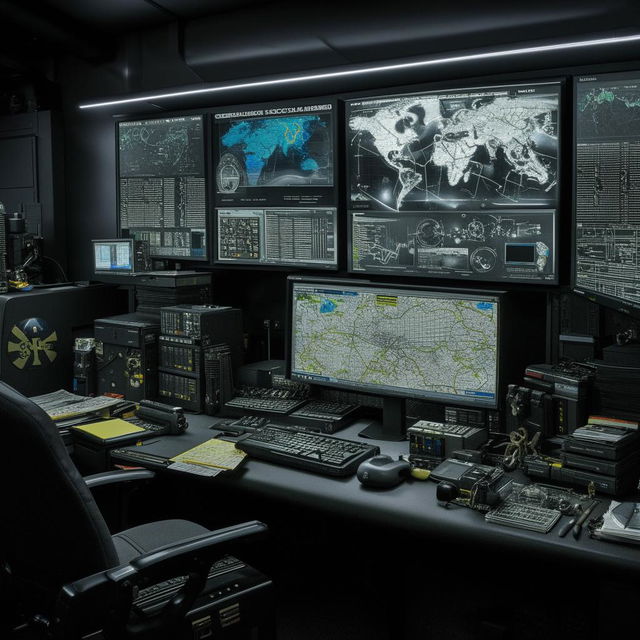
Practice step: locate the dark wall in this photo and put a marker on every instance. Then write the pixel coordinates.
(154, 59)
(32, 176)
(89, 162)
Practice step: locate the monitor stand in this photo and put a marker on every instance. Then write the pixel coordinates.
(393, 427)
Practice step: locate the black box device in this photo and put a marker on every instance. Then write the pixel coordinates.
(127, 355)
(437, 440)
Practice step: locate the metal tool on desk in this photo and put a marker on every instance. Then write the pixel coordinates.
(575, 524)
(577, 528)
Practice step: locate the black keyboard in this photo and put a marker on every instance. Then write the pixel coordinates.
(265, 405)
(324, 410)
(320, 453)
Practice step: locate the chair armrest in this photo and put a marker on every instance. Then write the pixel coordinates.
(112, 477)
(105, 599)
(206, 548)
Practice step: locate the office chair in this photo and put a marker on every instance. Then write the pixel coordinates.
(62, 573)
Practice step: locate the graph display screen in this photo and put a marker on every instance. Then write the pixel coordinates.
(299, 237)
(389, 340)
(162, 189)
(440, 183)
(607, 199)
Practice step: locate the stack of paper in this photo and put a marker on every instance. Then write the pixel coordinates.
(621, 523)
(600, 433)
(107, 429)
(209, 458)
(62, 405)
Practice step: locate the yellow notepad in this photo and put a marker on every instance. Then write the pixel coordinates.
(110, 428)
(219, 454)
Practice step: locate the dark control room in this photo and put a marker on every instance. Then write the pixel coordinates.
(319, 322)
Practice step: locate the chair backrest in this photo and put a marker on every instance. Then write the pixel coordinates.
(51, 531)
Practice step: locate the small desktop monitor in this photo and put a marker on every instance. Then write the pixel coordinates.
(396, 341)
(114, 256)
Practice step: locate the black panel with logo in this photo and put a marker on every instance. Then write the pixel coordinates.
(38, 329)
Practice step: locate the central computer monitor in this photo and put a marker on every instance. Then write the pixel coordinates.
(396, 341)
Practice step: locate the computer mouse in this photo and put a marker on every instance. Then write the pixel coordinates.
(382, 471)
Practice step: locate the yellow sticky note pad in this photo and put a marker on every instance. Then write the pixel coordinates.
(219, 454)
(110, 428)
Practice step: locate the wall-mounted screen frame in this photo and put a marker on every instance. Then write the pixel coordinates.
(275, 183)
(440, 180)
(162, 185)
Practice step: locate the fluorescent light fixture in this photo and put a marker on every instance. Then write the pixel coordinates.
(487, 55)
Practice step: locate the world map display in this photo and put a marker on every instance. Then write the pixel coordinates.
(477, 149)
(608, 111)
(275, 152)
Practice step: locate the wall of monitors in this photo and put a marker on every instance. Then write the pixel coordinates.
(275, 184)
(162, 194)
(607, 182)
(455, 184)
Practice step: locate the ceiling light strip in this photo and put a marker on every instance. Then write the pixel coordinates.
(369, 70)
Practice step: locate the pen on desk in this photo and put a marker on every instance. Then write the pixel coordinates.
(577, 528)
(204, 464)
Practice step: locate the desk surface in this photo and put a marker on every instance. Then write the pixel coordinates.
(411, 506)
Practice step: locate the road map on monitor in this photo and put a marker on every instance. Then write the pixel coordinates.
(432, 344)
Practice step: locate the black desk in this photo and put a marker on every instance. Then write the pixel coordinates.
(410, 507)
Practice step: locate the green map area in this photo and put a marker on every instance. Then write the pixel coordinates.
(608, 112)
(431, 344)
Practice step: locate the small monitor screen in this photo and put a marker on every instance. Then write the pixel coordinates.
(398, 341)
(113, 256)
(278, 236)
(520, 252)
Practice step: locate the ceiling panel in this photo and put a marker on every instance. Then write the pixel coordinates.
(110, 15)
(195, 8)
(127, 15)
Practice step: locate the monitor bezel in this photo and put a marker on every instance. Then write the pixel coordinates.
(492, 403)
(129, 241)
